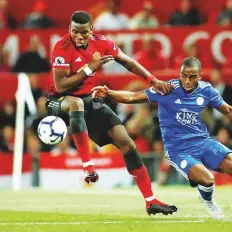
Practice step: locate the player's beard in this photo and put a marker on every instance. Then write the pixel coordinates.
(79, 44)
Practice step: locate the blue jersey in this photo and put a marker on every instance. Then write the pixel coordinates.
(179, 114)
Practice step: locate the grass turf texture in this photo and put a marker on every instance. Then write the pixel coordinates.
(111, 210)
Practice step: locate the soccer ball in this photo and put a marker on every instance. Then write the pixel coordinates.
(52, 130)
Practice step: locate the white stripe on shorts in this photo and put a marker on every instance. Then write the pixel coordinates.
(178, 169)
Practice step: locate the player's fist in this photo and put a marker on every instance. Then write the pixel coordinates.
(99, 91)
(95, 64)
(161, 87)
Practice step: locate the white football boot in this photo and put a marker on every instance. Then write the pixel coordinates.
(213, 209)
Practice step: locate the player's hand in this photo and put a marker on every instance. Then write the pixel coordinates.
(161, 87)
(95, 64)
(99, 91)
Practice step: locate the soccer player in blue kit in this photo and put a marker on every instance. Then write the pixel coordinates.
(187, 143)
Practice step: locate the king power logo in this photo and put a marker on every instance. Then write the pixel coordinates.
(185, 117)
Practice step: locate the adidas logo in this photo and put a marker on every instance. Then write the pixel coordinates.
(178, 101)
(78, 59)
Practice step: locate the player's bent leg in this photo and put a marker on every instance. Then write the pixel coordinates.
(139, 172)
(206, 185)
(226, 165)
(191, 167)
(75, 107)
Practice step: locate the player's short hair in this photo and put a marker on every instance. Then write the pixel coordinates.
(81, 17)
(192, 62)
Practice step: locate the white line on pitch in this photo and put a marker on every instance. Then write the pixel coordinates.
(96, 222)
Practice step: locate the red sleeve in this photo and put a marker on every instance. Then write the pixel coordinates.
(60, 57)
(111, 48)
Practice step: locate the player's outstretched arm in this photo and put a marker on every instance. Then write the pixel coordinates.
(126, 97)
(226, 109)
(133, 66)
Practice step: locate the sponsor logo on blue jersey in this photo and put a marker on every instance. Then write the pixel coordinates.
(185, 117)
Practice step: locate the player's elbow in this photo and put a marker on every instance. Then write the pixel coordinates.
(59, 89)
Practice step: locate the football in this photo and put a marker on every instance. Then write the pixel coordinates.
(52, 130)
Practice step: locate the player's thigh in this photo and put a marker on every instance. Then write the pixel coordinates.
(214, 154)
(72, 103)
(226, 164)
(99, 122)
(182, 162)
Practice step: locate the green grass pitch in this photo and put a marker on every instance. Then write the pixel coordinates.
(110, 210)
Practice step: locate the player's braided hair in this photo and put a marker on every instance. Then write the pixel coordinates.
(192, 62)
(81, 17)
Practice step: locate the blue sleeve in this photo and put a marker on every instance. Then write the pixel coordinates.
(215, 98)
(153, 96)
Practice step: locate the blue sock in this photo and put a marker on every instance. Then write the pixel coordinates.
(206, 192)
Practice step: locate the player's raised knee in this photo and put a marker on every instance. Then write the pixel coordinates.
(76, 104)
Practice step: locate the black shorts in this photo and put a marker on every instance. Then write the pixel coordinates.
(99, 117)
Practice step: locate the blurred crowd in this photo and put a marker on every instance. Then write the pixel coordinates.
(187, 14)
(141, 121)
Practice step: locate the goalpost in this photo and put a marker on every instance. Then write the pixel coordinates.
(23, 96)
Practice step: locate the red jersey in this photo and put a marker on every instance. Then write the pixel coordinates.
(66, 56)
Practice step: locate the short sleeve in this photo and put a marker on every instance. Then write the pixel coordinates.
(111, 48)
(153, 96)
(60, 57)
(215, 98)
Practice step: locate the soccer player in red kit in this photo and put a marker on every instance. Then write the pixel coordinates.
(75, 59)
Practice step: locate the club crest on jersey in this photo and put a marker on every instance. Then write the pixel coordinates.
(96, 56)
(200, 101)
(185, 117)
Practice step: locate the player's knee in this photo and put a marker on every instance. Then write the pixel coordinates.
(208, 181)
(126, 145)
(76, 104)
